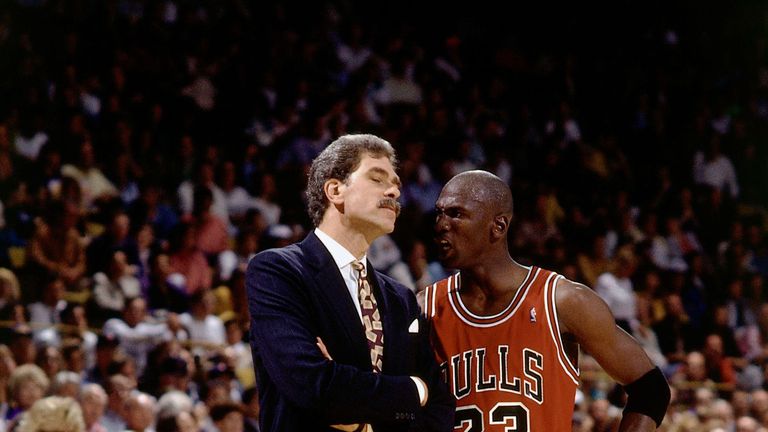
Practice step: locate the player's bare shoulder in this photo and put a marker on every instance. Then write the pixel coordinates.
(574, 302)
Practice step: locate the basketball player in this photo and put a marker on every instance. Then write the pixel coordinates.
(507, 335)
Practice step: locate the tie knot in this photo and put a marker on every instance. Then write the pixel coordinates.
(357, 265)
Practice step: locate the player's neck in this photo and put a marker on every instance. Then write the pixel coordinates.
(488, 288)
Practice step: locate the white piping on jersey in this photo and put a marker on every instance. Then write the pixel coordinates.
(430, 293)
(427, 311)
(434, 296)
(554, 327)
(521, 293)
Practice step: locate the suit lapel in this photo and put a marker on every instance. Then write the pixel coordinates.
(331, 287)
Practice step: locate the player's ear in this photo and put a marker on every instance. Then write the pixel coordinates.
(501, 225)
(333, 189)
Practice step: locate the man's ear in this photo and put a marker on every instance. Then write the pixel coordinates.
(333, 189)
(501, 225)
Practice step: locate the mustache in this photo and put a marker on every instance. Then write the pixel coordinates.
(390, 203)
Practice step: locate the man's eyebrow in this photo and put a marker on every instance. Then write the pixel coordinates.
(377, 170)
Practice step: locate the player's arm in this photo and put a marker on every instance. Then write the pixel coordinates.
(586, 317)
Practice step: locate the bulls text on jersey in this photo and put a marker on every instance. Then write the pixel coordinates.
(468, 371)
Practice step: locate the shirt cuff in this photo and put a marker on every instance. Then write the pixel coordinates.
(422, 388)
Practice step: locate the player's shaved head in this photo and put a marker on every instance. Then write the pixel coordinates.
(483, 187)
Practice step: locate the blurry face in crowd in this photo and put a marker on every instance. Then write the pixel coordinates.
(69, 390)
(139, 413)
(186, 423)
(121, 226)
(145, 236)
(136, 312)
(234, 333)
(232, 422)
(28, 393)
(93, 408)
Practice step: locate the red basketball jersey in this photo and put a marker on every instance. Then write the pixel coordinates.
(509, 372)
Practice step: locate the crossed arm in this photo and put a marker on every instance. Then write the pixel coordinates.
(285, 340)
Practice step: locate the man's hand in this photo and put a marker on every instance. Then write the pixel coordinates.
(323, 349)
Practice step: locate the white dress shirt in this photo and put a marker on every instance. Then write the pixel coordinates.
(344, 259)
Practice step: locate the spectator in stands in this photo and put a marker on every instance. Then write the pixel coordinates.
(50, 361)
(238, 198)
(594, 261)
(93, 401)
(205, 329)
(616, 288)
(151, 208)
(9, 294)
(74, 356)
(56, 248)
(138, 335)
(113, 286)
(115, 238)
(140, 412)
(168, 289)
(204, 176)
(27, 384)
(57, 413)
(250, 400)
(713, 168)
(188, 260)
(265, 200)
(96, 187)
(21, 344)
(66, 384)
(47, 311)
(247, 243)
(118, 388)
(675, 334)
(211, 232)
(228, 417)
(181, 422)
(240, 351)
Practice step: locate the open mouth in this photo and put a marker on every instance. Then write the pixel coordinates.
(443, 245)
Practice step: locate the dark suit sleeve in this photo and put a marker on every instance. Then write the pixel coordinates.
(283, 336)
(438, 414)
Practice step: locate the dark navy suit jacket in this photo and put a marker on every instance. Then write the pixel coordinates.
(297, 294)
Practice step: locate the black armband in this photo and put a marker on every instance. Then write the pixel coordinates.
(649, 395)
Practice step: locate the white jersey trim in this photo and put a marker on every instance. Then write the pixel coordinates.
(554, 327)
(522, 292)
(428, 310)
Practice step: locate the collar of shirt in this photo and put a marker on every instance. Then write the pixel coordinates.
(343, 259)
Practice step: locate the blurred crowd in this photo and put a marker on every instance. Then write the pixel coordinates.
(148, 149)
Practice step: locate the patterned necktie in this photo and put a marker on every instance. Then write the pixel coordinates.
(374, 332)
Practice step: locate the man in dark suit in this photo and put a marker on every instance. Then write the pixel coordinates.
(336, 344)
